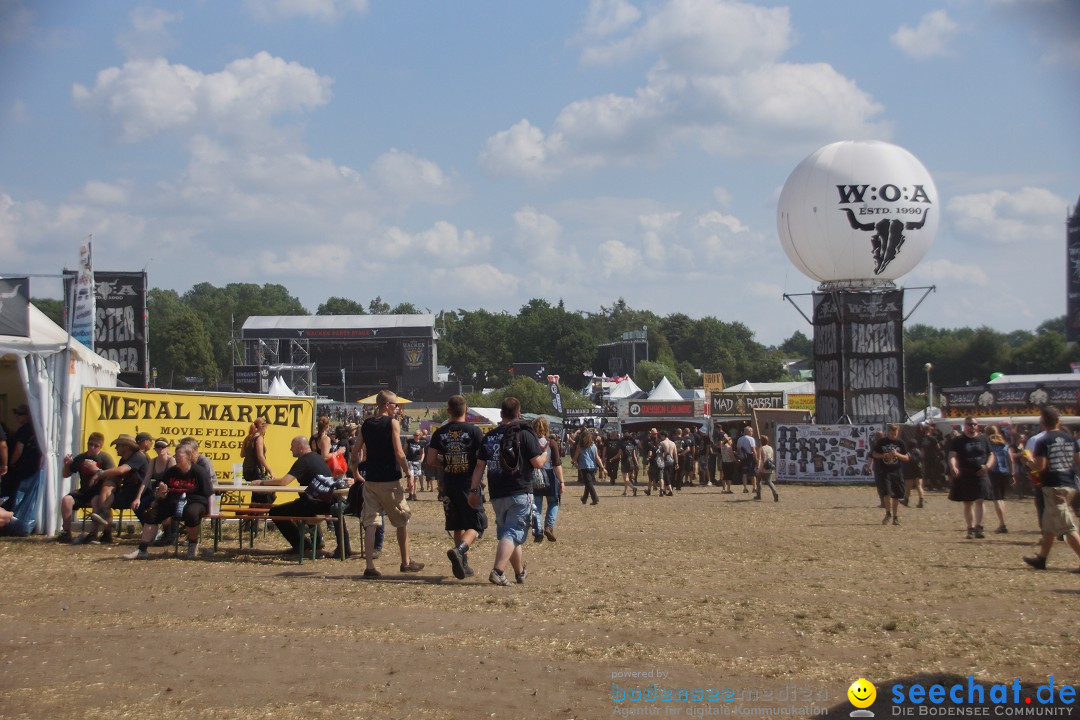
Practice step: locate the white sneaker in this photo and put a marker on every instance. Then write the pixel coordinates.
(192, 551)
(137, 555)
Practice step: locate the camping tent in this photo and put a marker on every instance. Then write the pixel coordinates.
(47, 371)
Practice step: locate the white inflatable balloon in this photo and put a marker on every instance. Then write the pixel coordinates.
(858, 211)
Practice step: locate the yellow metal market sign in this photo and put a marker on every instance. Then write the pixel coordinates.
(219, 421)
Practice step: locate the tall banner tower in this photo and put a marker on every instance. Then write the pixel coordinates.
(855, 216)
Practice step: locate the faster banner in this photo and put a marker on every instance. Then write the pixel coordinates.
(219, 421)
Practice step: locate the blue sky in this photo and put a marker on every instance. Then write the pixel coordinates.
(478, 154)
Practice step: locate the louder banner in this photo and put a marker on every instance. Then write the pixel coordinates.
(219, 421)
(824, 453)
(858, 356)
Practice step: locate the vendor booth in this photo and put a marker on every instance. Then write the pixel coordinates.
(47, 372)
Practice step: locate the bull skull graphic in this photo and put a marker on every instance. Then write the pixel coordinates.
(887, 239)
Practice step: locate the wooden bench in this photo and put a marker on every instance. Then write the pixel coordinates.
(235, 504)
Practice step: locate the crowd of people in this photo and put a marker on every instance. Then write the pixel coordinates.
(519, 465)
(672, 459)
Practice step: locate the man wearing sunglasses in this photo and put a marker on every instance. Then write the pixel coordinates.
(970, 460)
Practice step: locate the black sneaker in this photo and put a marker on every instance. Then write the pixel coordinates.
(887, 518)
(64, 538)
(1002, 530)
(457, 562)
(1038, 562)
(372, 573)
(970, 533)
(896, 521)
(412, 567)
(979, 531)
(538, 537)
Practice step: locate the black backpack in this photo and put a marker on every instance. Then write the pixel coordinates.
(510, 451)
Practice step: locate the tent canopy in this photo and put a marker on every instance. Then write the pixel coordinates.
(664, 390)
(48, 372)
(626, 388)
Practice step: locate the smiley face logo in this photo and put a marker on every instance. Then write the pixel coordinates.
(862, 693)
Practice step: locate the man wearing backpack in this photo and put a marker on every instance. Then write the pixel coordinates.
(509, 453)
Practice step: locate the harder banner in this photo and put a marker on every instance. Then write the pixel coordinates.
(824, 453)
(859, 356)
(219, 421)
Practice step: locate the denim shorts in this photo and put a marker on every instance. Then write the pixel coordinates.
(513, 516)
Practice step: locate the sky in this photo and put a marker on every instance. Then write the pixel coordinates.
(480, 154)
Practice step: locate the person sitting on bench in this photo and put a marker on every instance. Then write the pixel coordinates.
(184, 490)
(308, 467)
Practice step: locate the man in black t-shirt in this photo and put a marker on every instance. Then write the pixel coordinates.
(24, 458)
(121, 487)
(511, 490)
(414, 455)
(85, 465)
(970, 460)
(890, 451)
(453, 448)
(307, 467)
(1056, 461)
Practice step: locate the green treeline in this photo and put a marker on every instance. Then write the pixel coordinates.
(191, 336)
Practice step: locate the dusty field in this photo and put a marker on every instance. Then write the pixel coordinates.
(702, 590)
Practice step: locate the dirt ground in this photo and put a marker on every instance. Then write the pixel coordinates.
(702, 590)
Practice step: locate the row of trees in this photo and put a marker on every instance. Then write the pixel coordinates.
(192, 335)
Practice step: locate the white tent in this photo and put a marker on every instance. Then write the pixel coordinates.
(47, 372)
(799, 387)
(664, 390)
(626, 388)
(279, 388)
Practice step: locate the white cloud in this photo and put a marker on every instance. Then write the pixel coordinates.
(702, 36)
(718, 83)
(930, 38)
(309, 261)
(722, 196)
(323, 10)
(713, 219)
(97, 192)
(946, 271)
(618, 259)
(605, 17)
(15, 21)
(405, 179)
(148, 36)
(483, 281)
(146, 97)
(1026, 216)
(18, 113)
